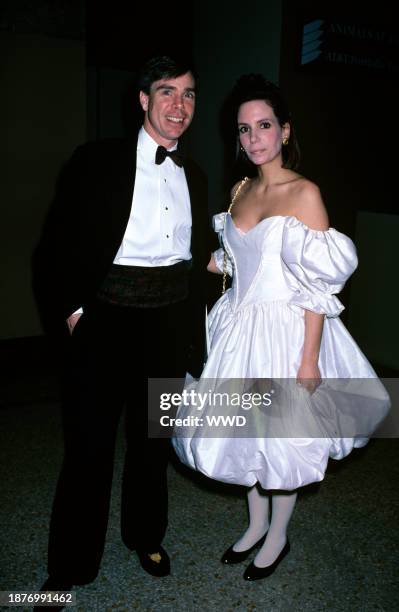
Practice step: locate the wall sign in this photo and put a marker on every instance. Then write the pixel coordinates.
(346, 44)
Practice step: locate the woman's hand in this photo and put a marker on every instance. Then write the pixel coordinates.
(212, 267)
(72, 320)
(308, 376)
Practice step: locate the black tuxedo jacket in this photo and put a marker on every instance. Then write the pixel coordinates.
(85, 227)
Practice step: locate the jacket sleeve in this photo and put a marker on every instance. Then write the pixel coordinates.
(56, 273)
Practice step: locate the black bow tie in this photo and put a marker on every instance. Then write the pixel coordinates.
(162, 153)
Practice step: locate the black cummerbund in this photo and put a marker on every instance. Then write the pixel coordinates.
(145, 287)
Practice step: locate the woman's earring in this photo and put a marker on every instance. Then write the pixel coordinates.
(285, 141)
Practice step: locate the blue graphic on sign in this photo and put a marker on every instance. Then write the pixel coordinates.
(312, 41)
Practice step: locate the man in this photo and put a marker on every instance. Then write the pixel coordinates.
(123, 255)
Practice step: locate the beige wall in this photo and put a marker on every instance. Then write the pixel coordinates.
(43, 116)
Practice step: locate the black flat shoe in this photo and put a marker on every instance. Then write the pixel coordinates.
(231, 556)
(253, 572)
(154, 562)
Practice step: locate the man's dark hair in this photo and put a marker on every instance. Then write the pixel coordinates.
(162, 67)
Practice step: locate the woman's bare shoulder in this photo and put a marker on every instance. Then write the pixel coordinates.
(309, 205)
(234, 189)
(238, 186)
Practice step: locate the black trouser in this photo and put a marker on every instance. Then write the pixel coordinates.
(106, 371)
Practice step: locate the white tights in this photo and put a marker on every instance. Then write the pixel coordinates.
(282, 506)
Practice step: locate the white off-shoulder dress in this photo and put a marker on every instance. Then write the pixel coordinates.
(279, 269)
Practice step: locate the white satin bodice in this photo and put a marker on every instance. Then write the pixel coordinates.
(280, 258)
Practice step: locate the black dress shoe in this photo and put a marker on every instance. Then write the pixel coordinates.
(54, 584)
(155, 562)
(253, 572)
(231, 556)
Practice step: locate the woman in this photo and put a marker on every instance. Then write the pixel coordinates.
(278, 324)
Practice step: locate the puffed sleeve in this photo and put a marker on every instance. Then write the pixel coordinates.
(219, 255)
(316, 266)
